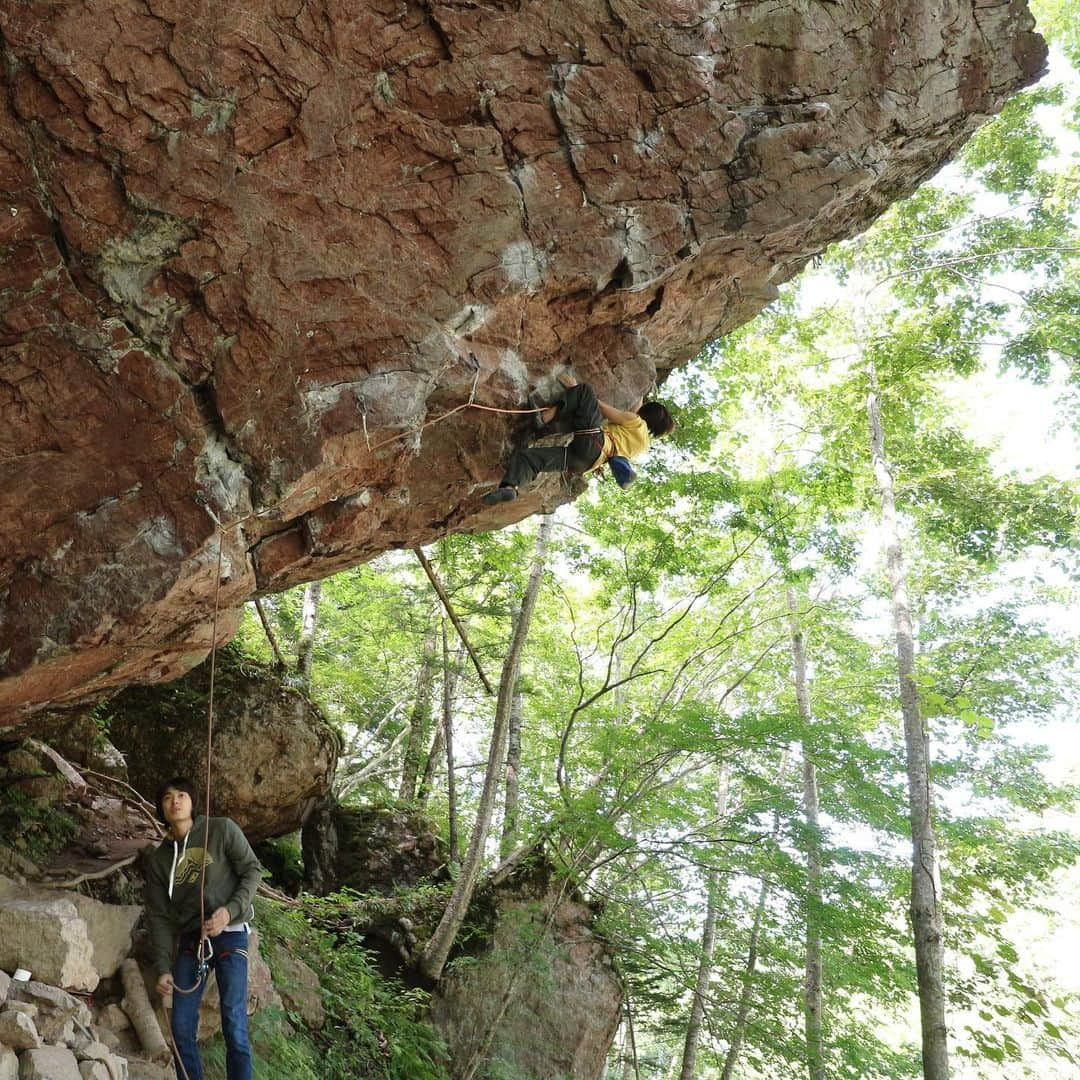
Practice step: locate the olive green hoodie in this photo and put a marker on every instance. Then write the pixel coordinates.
(173, 873)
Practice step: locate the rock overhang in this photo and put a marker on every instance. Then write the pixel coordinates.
(252, 256)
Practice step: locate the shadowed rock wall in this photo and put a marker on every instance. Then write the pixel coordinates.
(539, 997)
(249, 249)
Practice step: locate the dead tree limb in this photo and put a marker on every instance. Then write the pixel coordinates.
(279, 658)
(458, 626)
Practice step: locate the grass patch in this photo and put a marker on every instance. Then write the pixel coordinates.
(374, 1026)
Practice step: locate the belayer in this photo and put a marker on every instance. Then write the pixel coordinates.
(602, 434)
(205, 923)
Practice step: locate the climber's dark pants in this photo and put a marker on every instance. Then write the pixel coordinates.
(578, 412)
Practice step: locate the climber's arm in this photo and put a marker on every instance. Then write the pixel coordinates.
(616, 416)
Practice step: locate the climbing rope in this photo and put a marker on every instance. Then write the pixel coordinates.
(205, 951)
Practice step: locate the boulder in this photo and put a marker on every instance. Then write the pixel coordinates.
(370, 849)
(49, 938)
(274, 754)
(137, 1069)
(27, 772)
(49, 1063)
(255, 255)
(77, 735)
(94, 1070)
(87, 1050)
(18, 1031)
(5, 986)
(114, 1018)
(106, 1035)
(59, 1002)
(299, 988)
(108, 926)
(56, 1010)
(9, 1064)
(25, 1007)
(533, 937)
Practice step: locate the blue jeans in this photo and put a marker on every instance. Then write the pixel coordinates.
(230, 963)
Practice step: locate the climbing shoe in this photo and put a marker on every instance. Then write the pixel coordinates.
(499, 495)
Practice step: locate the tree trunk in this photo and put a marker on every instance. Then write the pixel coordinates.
(438, 948)
(448, 745)
(708, 944)
(141, 1013)
(812, 989)
(420, 721)
(305, 647)
(513, 765)
(279, 660)
(926, 919)
(319, 847)
(747, 992)
(630, 1061)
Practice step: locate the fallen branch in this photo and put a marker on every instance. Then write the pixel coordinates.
(139, 1011)
(140, 804)
(277, 895)
(63, 766)
(91, 875)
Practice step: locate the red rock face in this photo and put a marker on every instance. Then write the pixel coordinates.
(250, 250)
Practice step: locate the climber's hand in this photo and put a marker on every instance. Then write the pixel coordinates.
(165, 984)
(216, 923)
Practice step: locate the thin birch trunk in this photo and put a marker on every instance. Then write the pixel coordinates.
(630, 1061)
(513, 765)
(420, 721)
(448, 743)
(435, 755)
(812, 981)
(279, 660)
(305, 647)
(431, 766)
(926, 918)
(625, 1062)
(708, 944)
(438, 947)
(746, 994)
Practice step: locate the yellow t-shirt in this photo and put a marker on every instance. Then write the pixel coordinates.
(623, 440)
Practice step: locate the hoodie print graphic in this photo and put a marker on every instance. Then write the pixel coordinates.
(189, 865)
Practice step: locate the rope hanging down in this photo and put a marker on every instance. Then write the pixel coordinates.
(205, 950)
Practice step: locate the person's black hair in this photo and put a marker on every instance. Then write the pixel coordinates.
(177, 783)
(657, 418)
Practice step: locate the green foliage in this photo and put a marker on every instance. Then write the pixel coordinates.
(374, 1026)
(32, 828)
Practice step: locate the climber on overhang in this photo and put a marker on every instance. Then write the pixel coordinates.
(602, 434)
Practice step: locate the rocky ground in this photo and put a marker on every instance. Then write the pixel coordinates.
(71, 914)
